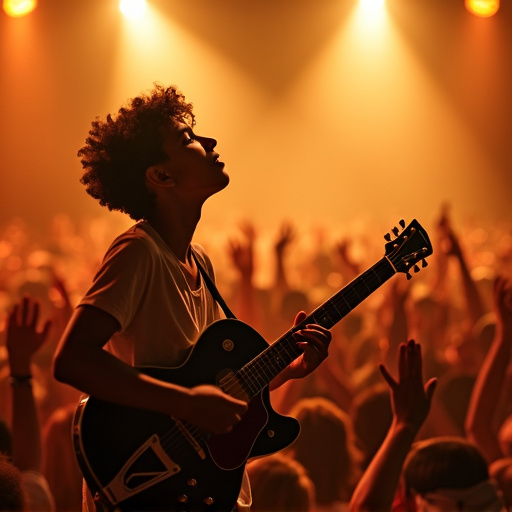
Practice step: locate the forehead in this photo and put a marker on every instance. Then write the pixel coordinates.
(175, 128)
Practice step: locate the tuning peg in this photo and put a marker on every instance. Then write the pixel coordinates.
(416, 268)
(387, 237)
(402, 223)
(424, 263)
(408, 276)
(395, 231)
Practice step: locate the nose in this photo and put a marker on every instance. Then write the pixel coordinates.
(207, 143)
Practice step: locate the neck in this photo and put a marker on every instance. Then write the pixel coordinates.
(176, 230)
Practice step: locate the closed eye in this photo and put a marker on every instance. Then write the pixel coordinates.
(189, 136)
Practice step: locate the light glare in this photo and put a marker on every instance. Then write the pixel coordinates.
(18, 8)
(132, 8)
(371, 4)
(483, 8)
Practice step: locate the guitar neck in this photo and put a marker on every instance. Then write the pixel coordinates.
(258, 373)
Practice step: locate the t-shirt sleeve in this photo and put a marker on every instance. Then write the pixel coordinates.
(120, 284)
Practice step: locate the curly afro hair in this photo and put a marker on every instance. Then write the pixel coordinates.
(120, 149)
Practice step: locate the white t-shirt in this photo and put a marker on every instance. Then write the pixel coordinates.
(142, 285)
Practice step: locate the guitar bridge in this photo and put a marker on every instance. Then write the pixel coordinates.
(147, 466)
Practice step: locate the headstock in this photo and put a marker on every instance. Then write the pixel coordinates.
(410, 246)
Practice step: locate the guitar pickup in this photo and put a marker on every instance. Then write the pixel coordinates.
(190, 438)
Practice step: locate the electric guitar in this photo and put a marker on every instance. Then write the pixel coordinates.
(134, 459)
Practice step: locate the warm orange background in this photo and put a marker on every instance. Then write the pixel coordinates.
(323, 114)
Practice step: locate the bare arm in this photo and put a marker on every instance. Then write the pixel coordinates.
(349, 268)
(283, 242)
(450, 244)
(411, 403)
(82, 362)
(398, 328)
(491, 377)
(337, 382)
(242, 258)
(23, 340)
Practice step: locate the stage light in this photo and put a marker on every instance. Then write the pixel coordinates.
(371, 4)
(133, 8)
(18, 8)
(483, 8)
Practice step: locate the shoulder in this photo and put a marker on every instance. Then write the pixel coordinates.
(204, 259)
(134, 241)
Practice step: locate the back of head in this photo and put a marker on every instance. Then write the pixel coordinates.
(501, 472)
(454, 392)
(444, 463)
(450, 470)
(120, 149)
(326, 448)
(5, 439)
(505, 437)
(371, 415)
(279, 483)
(11, 492)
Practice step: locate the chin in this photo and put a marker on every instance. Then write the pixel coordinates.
(221, 185)
(226, 180)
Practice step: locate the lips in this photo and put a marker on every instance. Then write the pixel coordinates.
(216, 159)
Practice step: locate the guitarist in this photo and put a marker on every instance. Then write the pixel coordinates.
(148, 303)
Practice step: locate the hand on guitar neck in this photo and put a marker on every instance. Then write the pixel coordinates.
(174, 463)
(314, 340)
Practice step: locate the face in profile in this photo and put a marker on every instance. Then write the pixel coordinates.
(193, 167)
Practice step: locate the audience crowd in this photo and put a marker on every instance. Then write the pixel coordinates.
(410, 411)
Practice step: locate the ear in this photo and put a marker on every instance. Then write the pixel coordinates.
(158, 177)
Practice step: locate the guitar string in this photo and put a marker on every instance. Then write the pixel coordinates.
(256, 366)
(174, 437)
(251, 372)
(366, 279)
(267, 363)
(261, 362)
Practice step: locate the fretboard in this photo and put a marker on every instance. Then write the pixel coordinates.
(258, 372)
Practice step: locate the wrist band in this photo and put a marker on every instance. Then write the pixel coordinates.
(20, 380)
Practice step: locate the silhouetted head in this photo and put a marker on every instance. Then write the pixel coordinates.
(120, 149)
(449, 473)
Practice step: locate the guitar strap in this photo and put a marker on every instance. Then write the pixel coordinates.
(213, 289)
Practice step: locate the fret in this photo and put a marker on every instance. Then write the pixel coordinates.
(259, 372)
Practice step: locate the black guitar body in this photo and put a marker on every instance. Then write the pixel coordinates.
(135, 460)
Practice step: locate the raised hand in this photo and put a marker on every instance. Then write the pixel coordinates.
(285, 237)
(410, 398)
(449, 242)
(23, 336)
(342, 248)
(242, 253)
(23, 340)
(502, 298)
